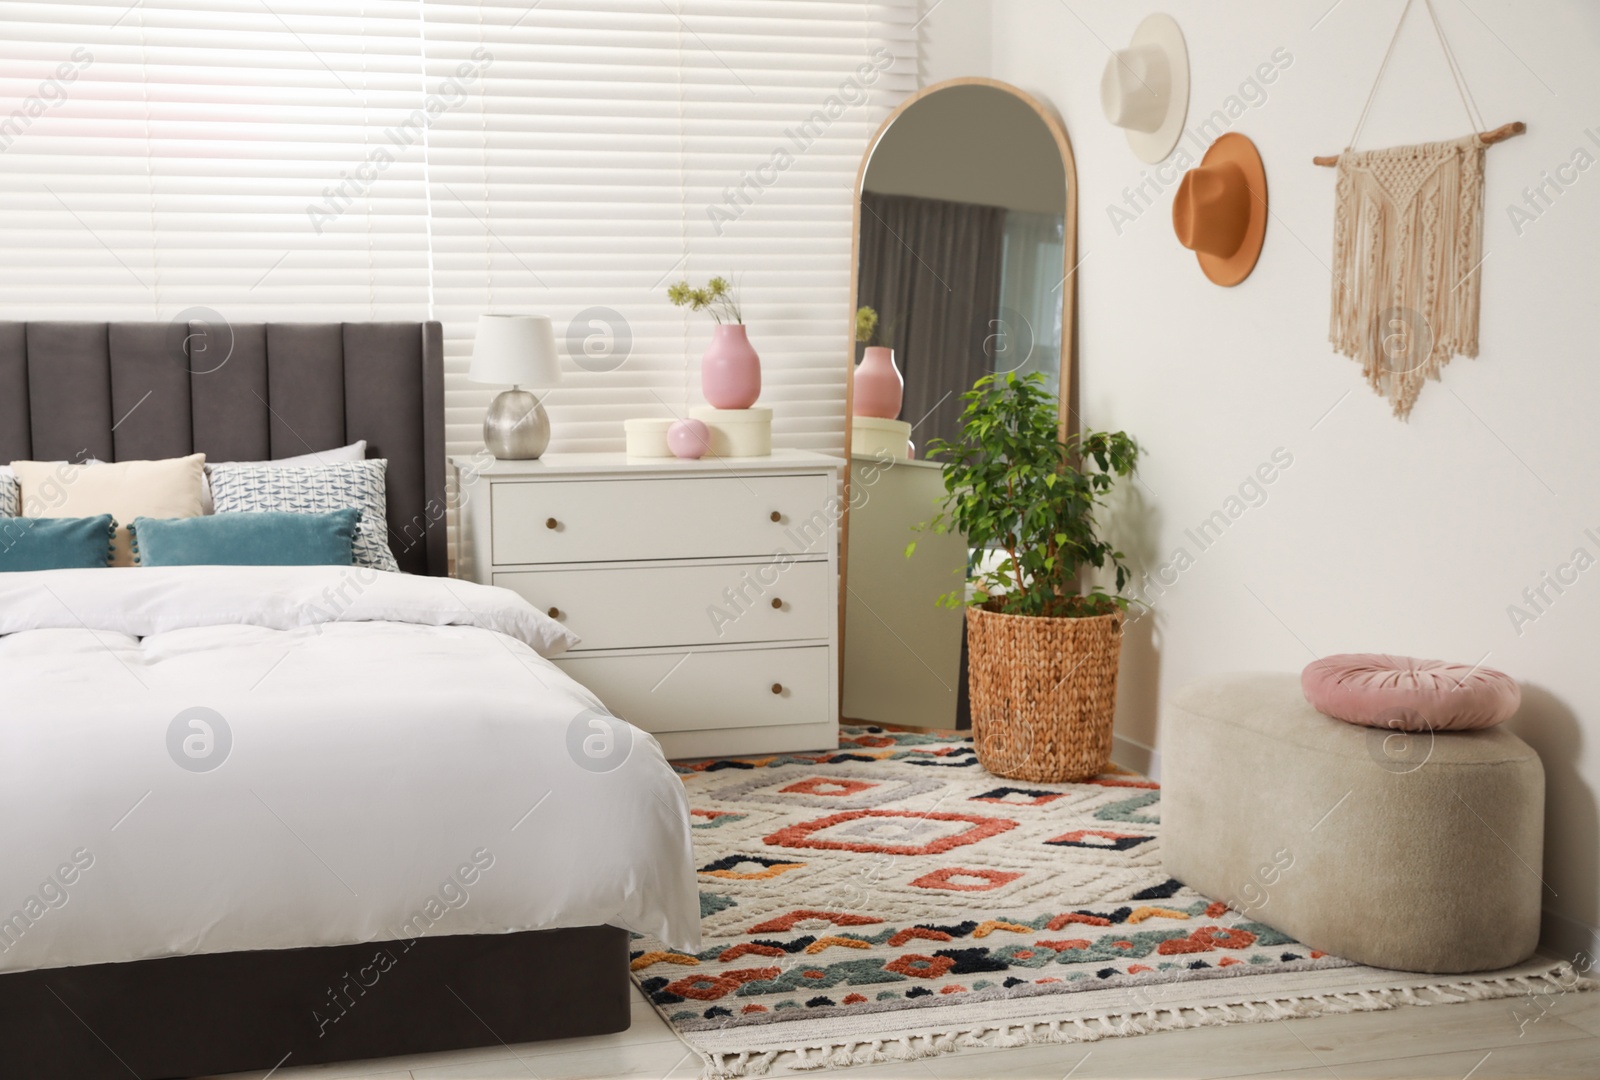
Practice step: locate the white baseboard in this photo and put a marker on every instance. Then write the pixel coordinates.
(1136, 756)
(1569, 939)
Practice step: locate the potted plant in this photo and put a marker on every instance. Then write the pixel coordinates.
(1041, 653)
(730, 370)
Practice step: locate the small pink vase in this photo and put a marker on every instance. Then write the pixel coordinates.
(730, 371)
(879, 387)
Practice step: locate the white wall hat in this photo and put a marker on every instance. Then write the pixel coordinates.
(1145, 88)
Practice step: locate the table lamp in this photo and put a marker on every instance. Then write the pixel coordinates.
(520, 350)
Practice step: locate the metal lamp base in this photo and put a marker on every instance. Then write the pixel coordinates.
(517, 428)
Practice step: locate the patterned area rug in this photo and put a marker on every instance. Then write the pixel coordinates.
(893, 900)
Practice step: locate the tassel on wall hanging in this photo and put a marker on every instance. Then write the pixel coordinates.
(1407, 246)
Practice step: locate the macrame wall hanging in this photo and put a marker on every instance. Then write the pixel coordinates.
(1407, 246)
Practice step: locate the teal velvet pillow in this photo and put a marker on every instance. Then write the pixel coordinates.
(265, 538)
(55, 543)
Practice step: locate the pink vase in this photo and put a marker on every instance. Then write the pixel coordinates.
(730, 371)
(879, 386)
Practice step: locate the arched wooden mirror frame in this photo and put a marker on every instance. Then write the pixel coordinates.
(1069, 291)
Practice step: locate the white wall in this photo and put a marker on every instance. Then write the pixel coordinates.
(1406, 537)
(953, 39)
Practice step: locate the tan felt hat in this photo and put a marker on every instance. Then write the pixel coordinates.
(1220, 211)
(1145, 88)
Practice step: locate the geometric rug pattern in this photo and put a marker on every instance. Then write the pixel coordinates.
(896, 876)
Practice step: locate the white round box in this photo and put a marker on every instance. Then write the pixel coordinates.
(647, 438)
(737, 432)
(871, 436)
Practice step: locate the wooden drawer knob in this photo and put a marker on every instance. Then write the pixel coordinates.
(776, 603)
(777, 688)
(554, 613)
(777, 516)
(551, 523)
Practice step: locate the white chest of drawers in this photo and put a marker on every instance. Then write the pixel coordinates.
(706, 592)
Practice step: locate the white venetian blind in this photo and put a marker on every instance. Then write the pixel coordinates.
(359, 159)
(236, 155)
(603, 154)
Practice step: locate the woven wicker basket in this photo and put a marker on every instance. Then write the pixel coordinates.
(1043, 693)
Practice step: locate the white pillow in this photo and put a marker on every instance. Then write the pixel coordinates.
(314, 489)
(356, 451)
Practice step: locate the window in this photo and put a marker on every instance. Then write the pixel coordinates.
(160, 156)
(331, 159)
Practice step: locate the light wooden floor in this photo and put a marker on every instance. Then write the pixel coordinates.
(1483, 1040)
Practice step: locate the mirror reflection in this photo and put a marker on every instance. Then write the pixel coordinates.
(962, 253)
(963, 210)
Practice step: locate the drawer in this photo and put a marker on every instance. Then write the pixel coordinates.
(566, 521)
(688, 691)
(724, 604)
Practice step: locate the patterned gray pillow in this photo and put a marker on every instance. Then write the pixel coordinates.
(10, 495)
(314, 489)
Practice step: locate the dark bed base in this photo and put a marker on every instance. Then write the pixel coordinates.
(187, 1016)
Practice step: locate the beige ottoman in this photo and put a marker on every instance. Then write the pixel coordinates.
(1415, 852)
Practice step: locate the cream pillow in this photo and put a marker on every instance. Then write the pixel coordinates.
(125, 490)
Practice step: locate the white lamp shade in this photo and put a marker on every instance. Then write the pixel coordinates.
(515, 349)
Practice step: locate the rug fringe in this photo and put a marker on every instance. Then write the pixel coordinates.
(1560, 978)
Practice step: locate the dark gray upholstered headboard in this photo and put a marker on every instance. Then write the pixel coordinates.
(128, 391)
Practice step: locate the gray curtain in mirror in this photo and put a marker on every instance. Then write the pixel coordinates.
(931, 269)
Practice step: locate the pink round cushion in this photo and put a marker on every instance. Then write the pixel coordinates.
(1407, 694)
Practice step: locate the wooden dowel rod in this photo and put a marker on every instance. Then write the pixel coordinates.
(1499, 134)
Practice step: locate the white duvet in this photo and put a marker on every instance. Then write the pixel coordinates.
(210, 759)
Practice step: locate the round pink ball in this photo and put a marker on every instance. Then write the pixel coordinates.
(689, 439)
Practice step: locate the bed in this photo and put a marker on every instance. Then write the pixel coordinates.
(403, 844)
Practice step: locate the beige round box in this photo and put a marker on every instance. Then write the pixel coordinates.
(737, 432)
(647, 438)
(871, 436)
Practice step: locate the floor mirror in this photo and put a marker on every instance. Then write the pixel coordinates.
(965, 247)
